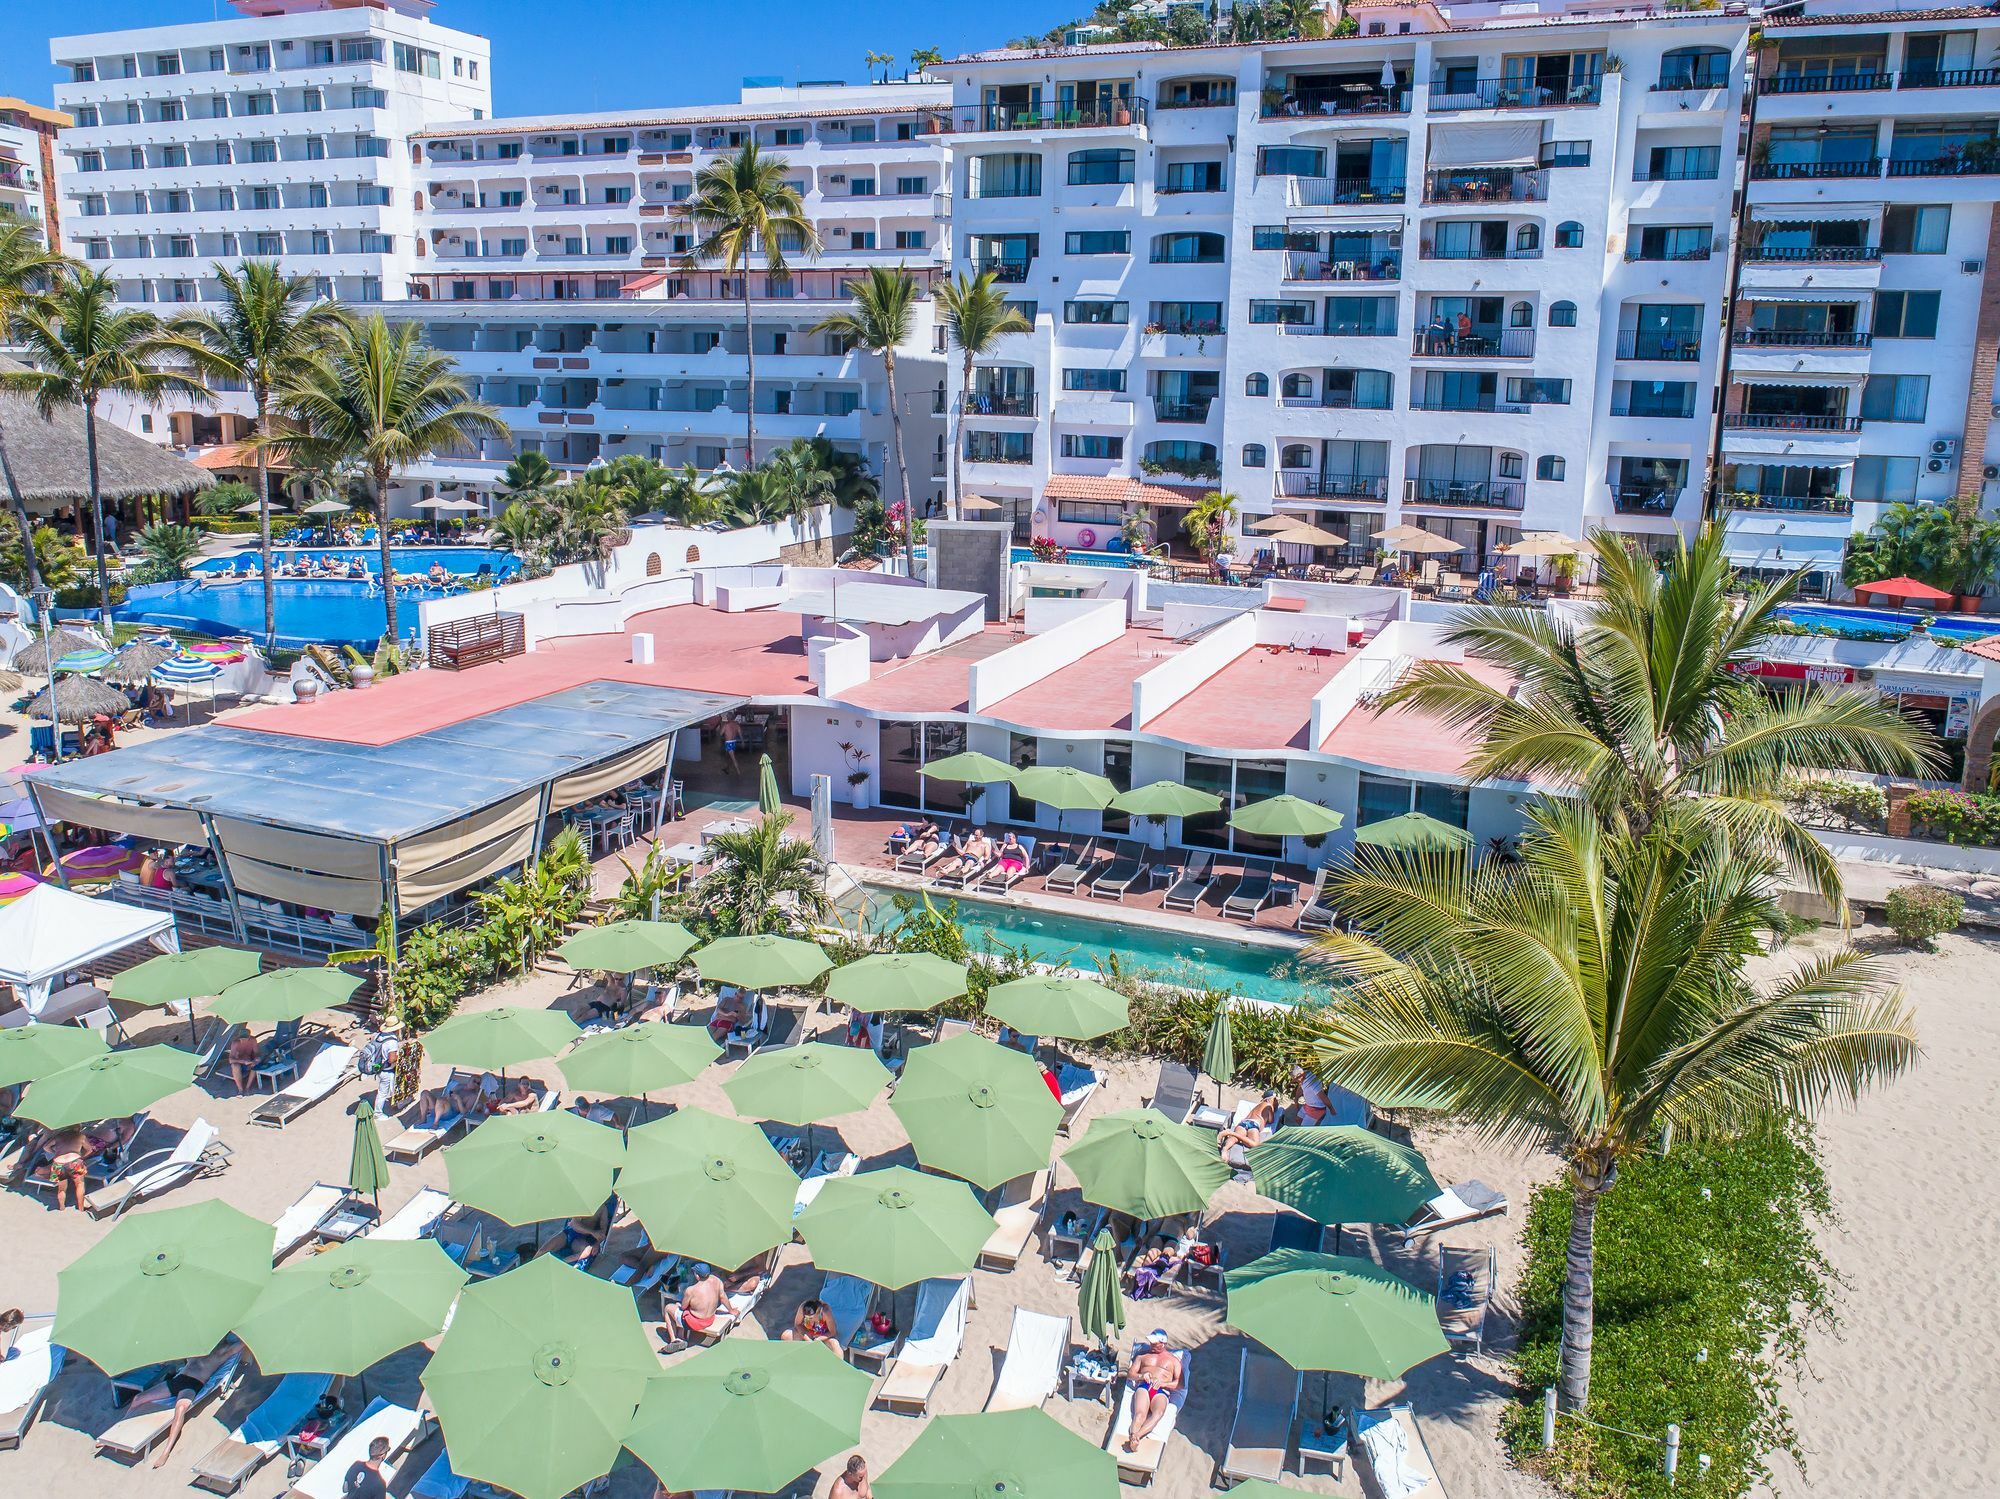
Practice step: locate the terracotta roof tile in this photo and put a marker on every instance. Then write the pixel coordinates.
(1987, 648)
(1886, 17)
(1117, 489)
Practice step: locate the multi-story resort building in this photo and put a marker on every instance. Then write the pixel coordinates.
(27, 166)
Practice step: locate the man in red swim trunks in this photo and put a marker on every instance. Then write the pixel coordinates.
(698, 1306)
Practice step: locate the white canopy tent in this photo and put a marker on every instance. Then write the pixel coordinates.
(50, 931)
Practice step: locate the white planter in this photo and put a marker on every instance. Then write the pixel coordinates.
(858, 794)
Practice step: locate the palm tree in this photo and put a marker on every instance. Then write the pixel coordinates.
(879, 322)
(1639, 701)
(798, 480)
(739, 205)
(922, 59)
(260, 333)
(27, 266)
(762, 880)
(528, 477)
(1593, 992)
(379, 398)
(976, 316)
(83, 345)
(689, 497)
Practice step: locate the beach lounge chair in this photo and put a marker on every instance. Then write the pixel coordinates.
(1466, 1202)
(1253, 889)
(1016, 1211)
(302, 1219)
(1315, 915)
(1001, 881)
(100, 1170)
(919, 861)
(1267, 1403)
(1391, 1456)
(261, 1434)
(416, 1219)
(1078, 1084)
(199, 1152)
(148, 1418)
(440, 1482)
(847, 1299)
(961, 879)
(1174, 1091)
(415, 1142)
(214, 1045)
(1037, 1348)
(1142, 1466)
(1291, 1230)
(331, 1066)
(1129, 865)
(24, 1383)
(404, 1428)
(767, 1026)
(824, 1168)
(932, 1345)
(742, 1303)
(1190, 884)
(1069, 876)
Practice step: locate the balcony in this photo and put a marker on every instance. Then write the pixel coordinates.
(1110, 114)
(1951, 78)
(1634, 257)
(1644, 499)
(1798, 171)
(1667, 348)
(1344, 192)
(1192, 412)
(1810, 254)
(1504, 251)
(1980, 163)
(1488, 405)
(1797, 338)
(1358, 98)
(1805, 504)
(1465, 494)
(1302, 484)
(1492, 185)
(1690, 79)
(1514, 93)
(997, 403)
(1333, 401)
(1312, 268)
(984, 453)
(1495, 343)
(1826, 83)
(1339, 329)
(1006, 272)
(1787, 421)
(1185, 328)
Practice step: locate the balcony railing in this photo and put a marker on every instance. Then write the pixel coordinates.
(1950, 78)
(1304, 484)
(1795, 171)
(1341, 329)
(1513, 93)
(1465, 494)
(1491, 185)
(1982, 163)
(1318, 268)
(1799, 338)
(1652, 414)
(1813, 504)
(1644, 499)
(975, 453)
(1488, 404)
(1338, 192)
(1198, 185)
(1787, 421)
(1810, 254)
(1217, 103)
(1704, 170)
(1496, 343)
(1692, 78)
(1359, 99)
(1825, 83)
(1705, 252)
(1669, 348)
(1432, 251)
(1109, 114)
(1005, 271)
(1186, 328)
(1181, 411)
(996, 403)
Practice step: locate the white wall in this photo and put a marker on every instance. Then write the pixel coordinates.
(1177, 676)
(1005, 673)
(817, 734)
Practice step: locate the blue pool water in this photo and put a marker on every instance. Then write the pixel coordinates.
(309, 613)
(464, 561)
(1887, 622)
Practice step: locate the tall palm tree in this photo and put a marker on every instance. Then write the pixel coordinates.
(27, 267)
(260, 333)
(923, 59)
(1593, 993)
(740, 206)
(976, 316)
(762, 881)
(382, 399)
(879, 322)
(689, 497)
(83, 345)
(529, 477)
(1640, 700)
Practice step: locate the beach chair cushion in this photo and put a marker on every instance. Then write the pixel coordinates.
(297, 1223)
(847, 1300)
(932, 1345)
(1037, 1346)
(1147, 1459)
(145, 1176)
(416, 1218)
(259, 1435)
(24, 1382)
(440, 1482)
(328, 1477)
(328, 1070)
(1267, 1402)
(1394, 1454)
(1174, 1093)
(135, 1435)
(1019, 1210)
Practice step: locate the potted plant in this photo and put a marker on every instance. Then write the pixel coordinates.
(857, 775)
(1562, 571)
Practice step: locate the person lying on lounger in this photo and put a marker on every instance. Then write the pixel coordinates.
(1013, 857)
(1155, 1377)
(1255, 1127)
(517, 1097)
(812, 1323)
(183, 1381)
(926, 843)
(913, 832)
(583, 1237)
(461, 1097)
(71, 1152)
(698, 1305)
(978, 853)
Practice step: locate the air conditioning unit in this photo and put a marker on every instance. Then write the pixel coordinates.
(1938, 465)
(1972, 267)
(1944, 447)
(1864, 674)
(1991, 471)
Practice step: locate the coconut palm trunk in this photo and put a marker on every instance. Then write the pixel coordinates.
(1579, 1296)
(750, 366)
(902, 459)
(381, 478)
(957, 424)
(264, 523)
(23, 520)
(97, 519)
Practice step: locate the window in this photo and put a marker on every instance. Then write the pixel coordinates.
(788, 135)
(315, 148)
(1291, 161)
(263, 151)
(374, 243)
(257, 104)
(861, 239)
(173, 156)
(1092, 445)
(419, 60)
(1528, 239)
(999, 447)
(1520, 315)
(370, 145)
(1101, 168)
(911, 239)
(1895, 398)
(268, 244)
(1694, 67)
(1191, 177)
(1681, 164)
(316, 195)
(371, 196)
(367, 50)
(180, 247)
(1096, 312)
(1079, 379)
(618, 244)
(1360, 316)
(86, 115)
(1187, 249)
(1257, 385)
(1562, 315)
(1295, 455)
(1510, 465)
(262, 198)
(912, 187)
(1012, 174)
(1550, 468)
(507, 150)
(312, 101)
(369, 98)
(861, 187)
(89, 161)
(145, 423)
(1254, 455)
(1909, 229)
(1358, 390)
(1098, 242)
(83, 72)
(1525, 390)
(1296, 388)
(1565, 153)
(319, 242)
(1569, 235)
(1906, 314)
(1673, 399)
(1885, 480)
(1090, 512)
(1278, 237)
(1295, 314)
(171, 109)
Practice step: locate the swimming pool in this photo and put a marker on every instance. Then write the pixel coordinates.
(1075, 557)
(463, 561)
(310, 612)
(1887, 624)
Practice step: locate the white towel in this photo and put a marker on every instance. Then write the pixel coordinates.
(1388, 1448)
(937, 1330)
(32, 1366)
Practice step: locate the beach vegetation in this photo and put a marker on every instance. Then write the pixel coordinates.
(1836, 801)
(763, 881)
(1963, 817)
(1919, 913)
(168, 551)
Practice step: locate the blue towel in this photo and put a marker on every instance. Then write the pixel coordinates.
(285, 1408)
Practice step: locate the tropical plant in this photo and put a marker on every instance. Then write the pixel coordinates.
(27, 268)
(83, 345)
(741, 206)
(1948, 546)
(762, 881)
(797, 481)
(1637, 700)
(529, 476)
(690, 497)
(922, 59)
(379, 398)
(527, 914)
(976, 317)
(49, 555)
(879, 322)
(524, 527)
(653, 881)
(169, 550)
(1210, 524)
(1594, 993)
(225, 498)
(1919, 913)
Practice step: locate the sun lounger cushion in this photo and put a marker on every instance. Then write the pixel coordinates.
(329, 1068)
(1036, 1347)
(439, 1482)
(145, 1177)
(415, 1218)
(1267, 1401)
(1395, 1453)
(24, 1381)
(935, 1338)
(135, 1435)
(1153, 1448)
(846, 1299)
(1014, 1221)
(327, 1477)
(296, 1224)
(257, 1438)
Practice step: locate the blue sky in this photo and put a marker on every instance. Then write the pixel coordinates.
(561, 55)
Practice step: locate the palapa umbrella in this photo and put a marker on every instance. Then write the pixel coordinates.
(1417, 539)
(1100, 1300)
(1141, 1163)
(748, 1416)
(1279, 522)
(163, 1285)
(1017, 1454)
(529, 1168)
(1334, 1312)
(502, 1037)
(768, 801)
(1412, 833)
(1218, 1054)
(1052, 1005)
(78, 700)
(536, 1380)
(1285, 816)
(707, 1187)
(285, 994)
(368, 1166)
(137, 661)
(11, 681)
(35, 1050)
(85, 662)
(977, 1110)
(807, 1084)
(896, 981)
(895, 1226)
(627, 946)
(111, 1085)
(1342, 1174)
(636, 1060)
(53, 645)
(968, 768)
(762, 961)
(345, 1310)
(180, 978)
(1165, 799)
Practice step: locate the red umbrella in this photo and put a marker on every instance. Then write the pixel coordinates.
(1905, 588)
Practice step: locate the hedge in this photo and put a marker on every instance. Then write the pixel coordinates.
(1956, 817)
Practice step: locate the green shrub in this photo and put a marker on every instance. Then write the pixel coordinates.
(1956, 817)
(1917, 913)
(225, 498)
(244, 525)
(1834, 801)
(83, 595)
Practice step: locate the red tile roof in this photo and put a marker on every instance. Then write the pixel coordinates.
(1987, 648)
(1118, 490)
(234, 455)
(1885, 17)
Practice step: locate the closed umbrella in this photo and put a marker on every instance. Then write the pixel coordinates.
(500, 1038)
(762, 961)
(1165, 799)
(1413, 833)
(368, 1166)
(627, 946)
(768, 800)
(969, 768)
(285, 994)
(1334, 1312)
(529, 1168)
(807, 1084)
(1141, 1163)
(977, 1110)
(707, 1187)
(109, 1086)
(748, 1416)
(537, 1378)
(895, 1226)
(35, 1050)
(1051, 1005)
(1016, 1454)
(180, 978)
(1218, 1054)
(896, 981)
(1342, 1174)
(347, 1309)
(636, 1060)
(1100, 1300)
(1285, 816)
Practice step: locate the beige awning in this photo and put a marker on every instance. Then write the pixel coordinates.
(155, 824)
(344, 858)
(421, 887)
(1500, 143)
(647, 759)
(325, 892)
(1813, 213)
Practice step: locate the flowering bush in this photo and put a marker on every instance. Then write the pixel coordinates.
(1956, 817)
(1917, 913)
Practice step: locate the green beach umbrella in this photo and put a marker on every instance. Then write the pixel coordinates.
(1342, 1174)
(110, 1085)
(895, 1226)
(1285, 817)
(1218, 1055)
(285, 994)
(762, 961)
(807, 1084)
(344, 1310)
(1166, 799)
(1334, 1312)
(535, 1381)
(368, 1167)
(1100, 1300)
(708, 1187)
(768, 800)
(1413, 833)
(503, 1037)
(529, 1168)
(896, 981)
(175, 978)
(1051, 1005)
(1140, 1162)
(969, 768)
(748, 1415)
(977, 1110)
(35, 1050)
(1065, 788)
(163, 1285)
(1018, 1454)
(627, 946)
(636, 1060)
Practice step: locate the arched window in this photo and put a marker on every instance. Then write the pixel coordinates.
(1562, 315)
(652, 564)
(1254, 455)
(1510, 465)
(694, 554)
(1295, 455)
(1297, 387)
(1528, 239)
(1257, 385)
(1550, 467)
(1520, 315)
(1569, 235)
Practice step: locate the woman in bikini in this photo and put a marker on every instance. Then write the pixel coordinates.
(813, 1323)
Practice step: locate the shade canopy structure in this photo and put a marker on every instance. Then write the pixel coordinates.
(537, 1378)
(708, 1187)
(1279, 522)
(1416, 539)
(1905, 588)
(807, 1084)
(977, 1110)
(748, 1416)
(175, 978)
(968, 768)
(530, 1168)
(895, 1226)
(285, 994)
(762, 961)
(1054, 1005)
(1100, 1299)
(49, 931)
(1334, 1312)
(1065, 788)
(77, 699)
(896, 981)
(636, 1060)
(108, 1086)
(1305, 534)
(1165, 799)
(1285, 816)
(136, 662)
(163, 1285)
(1017, 1454)
(627, 946)
(85, 662)
(1342, 1174)
(505, 1036)
(349, 1308)
(52, 645)
(1413, 832)
(367, 1163)
(1141, 1163)
(45, 459)
(35, 1050)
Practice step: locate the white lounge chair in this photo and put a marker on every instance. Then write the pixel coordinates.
(402, 1426)
(24, 1383)
(934, 1342)
(302, 1219)
(1392, 1457)
(416, 1219)
(1467, 1202)
(1142, 1466)
(739, 1305)
(199, 1152)
(331, 1066)
(1079, 1084)
(134, 1436)
(415, 1141)
(825, 1167)
(1018, 1211)
(1037, 1346)
(261, 1434)
(1267, 1403)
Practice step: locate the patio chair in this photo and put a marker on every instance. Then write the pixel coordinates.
(149, 1416)
(1191, 884)
(1391, 1456)
(1291, 1230)
(932, 1345)
(1129, 865)
(1078, 1084)
(24, 1383)
(1174, 1091)
(1454, 588)
(1467, 1202)
(1069, 876)
(1142, 1466)
(100, 1171)
(824, 1167)
(331, 1066)
(261, 1434)
(199, 1152)
(1037, 1347)
(1267, 1404)
(768, 1025)
(1000, 880)
(1017, 1209)
(1315, 915)
(1254, 889)
(1427, 576)
(404, 1428)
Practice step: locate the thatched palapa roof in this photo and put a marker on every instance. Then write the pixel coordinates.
(46, 460)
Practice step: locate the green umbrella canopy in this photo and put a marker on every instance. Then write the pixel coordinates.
(536, 1379)
(1218, 1055)
(1342, 1174)
(639, 1059)
(35, 1050)
(368, 1166)
(285, 994)
(175, 977)
(163, 1285)
(761, 962)
(627, 946)
(1412, 833)
(1100, 1300)
(1018, 1454)
(108, 1086)
(1285, 817)
(1334, 1312)
(895, 1226)
(806, 1084)
(708, 1187)
(529, 1168)
(969, 768)
(1140, 1162)
(502, 1037)
(1051, 1005)
(1166, 799)
(1065, 788)
(768, 800)
(896, 981)
(748, 1415)
(347, 1309)
(977, 1110)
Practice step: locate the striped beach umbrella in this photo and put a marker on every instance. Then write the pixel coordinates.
(84, 662)
(185, 670)
(101, 861)
(15, 884)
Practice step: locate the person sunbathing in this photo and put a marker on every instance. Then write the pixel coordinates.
(242, 1058)
(1155, 1378)
(912, 833)
(977, 854)
(437, 575)
(517, 1097)
(182, 1382)
(461, 1098)
(813, 1323)
(698, 1306)
(71, 1152)
(1013, 857)
(926, 843)
(1254, 1128)
(583, 1237)
(732, 1009)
